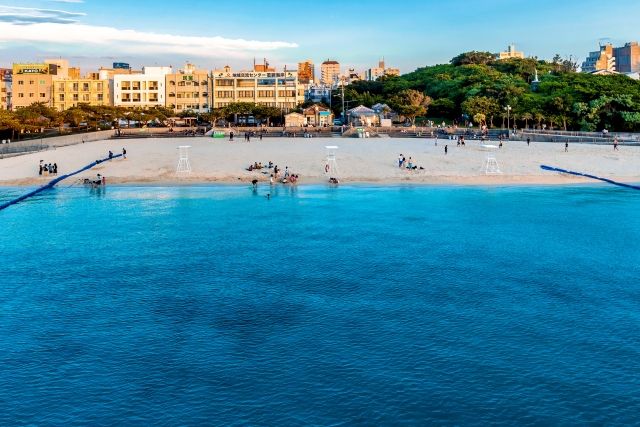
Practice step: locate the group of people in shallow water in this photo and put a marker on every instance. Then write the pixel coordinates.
(47, 168)
(274, 174)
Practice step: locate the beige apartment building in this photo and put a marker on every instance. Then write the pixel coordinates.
(274, 89)
(511, 52)
(68, 93)
(188, 90)
(32, 83)
(329, 72)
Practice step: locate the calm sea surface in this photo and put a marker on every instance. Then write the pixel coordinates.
(357, 305)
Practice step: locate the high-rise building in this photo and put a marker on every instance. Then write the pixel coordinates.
(330, 72)
(601, 60)
(141, 90)
(272, 88)
(511, 52)
(374, 73)
(188, 90)
(306, 72)
(627, 58)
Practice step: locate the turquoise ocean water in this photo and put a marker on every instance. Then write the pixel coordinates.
(356, 305)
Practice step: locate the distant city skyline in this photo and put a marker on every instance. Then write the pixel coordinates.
(96, 33)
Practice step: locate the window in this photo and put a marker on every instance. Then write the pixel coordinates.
(31, 95)
(61, 97)
(61, 87)
(266, 93)
(246, 94)
(75, 87)
(21, 82)
(99, 86)
(100, 97)
(42, 82)
(224, 82)
(21, 95)
(85, 87)
(75, 97)
(85, 97)
(31, 82)
(224, 94)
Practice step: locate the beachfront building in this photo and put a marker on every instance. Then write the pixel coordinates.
(374, 73)
(32, 83)
(363, 116)
(70, 92)
(318, 116)
(141, 90)
(5, 88)
(294, 120)
(269, 88)
(188, 90)
(511, 52)
(601, 60)
(306, 72)
(329, 72)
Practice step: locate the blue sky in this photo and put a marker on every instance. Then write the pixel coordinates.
(408, 34)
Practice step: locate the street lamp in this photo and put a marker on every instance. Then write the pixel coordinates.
(508, 110)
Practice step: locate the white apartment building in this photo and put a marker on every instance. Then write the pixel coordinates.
(141, 90)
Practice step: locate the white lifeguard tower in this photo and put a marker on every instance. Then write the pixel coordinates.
(184, 166)
(331, 166)
(491, 166)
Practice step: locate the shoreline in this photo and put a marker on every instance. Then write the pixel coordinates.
(374, 162)
(430, 181)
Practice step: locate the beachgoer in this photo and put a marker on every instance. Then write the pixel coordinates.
(40, 169)
(615, 144)
(55, 169)
(255, 184)
(124, 153)
(566, 147)
(400, 161)
(271, 180)
(286, 171)
(110, 155)
(446, 149)
(230, 136)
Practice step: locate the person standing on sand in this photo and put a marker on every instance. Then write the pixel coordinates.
(231, 136)
(528, 141)
(446, 149)
(615, 144)
(566, 147)
(124, 153)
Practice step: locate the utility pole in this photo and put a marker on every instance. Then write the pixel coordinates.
(344, 113)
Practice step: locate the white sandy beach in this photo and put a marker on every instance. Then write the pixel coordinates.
(154, 161)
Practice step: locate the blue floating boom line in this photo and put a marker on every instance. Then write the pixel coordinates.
(586, 175)
(52, 183)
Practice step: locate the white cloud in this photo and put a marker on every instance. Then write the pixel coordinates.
(66, 1)
(30, 15)
(109, 40)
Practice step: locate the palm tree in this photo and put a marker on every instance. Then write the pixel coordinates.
(526, 117)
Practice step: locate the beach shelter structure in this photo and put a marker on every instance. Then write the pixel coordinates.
(292, 120)
(363, 116)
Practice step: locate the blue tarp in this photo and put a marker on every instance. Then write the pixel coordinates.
(585, 175)
(52, 183)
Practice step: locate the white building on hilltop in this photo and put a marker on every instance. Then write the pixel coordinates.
(141, 90)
